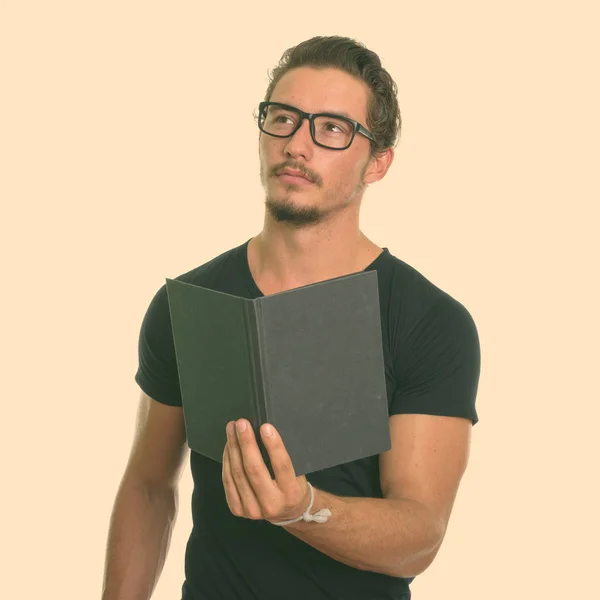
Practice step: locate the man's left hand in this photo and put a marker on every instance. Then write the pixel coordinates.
(249, 488)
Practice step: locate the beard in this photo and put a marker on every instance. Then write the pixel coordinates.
(283, 209)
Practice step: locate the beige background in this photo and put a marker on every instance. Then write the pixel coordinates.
(115, 176)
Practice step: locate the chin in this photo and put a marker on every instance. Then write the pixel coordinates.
(283, 210)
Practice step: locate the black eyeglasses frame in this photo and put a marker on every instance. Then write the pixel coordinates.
(356, 126)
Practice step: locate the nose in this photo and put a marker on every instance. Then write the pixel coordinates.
(300, 144)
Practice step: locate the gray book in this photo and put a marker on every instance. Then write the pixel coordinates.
(307, 360)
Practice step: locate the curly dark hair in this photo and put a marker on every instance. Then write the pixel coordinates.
(383, 114)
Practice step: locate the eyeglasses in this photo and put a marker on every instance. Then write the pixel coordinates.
(327, 130)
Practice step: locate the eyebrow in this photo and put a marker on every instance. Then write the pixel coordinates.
(341, 113)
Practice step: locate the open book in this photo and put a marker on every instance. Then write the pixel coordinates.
(307, 360)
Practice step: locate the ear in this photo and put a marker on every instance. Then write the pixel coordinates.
(378, 166)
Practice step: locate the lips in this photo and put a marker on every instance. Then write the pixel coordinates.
(293, 173)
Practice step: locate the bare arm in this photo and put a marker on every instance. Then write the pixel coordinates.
(145, 507)
(400, 534)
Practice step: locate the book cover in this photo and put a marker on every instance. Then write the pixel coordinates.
(307, 360)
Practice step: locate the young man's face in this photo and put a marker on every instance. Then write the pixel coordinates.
(336, 175)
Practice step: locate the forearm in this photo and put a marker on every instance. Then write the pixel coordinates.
(138, 541)
(394, 537)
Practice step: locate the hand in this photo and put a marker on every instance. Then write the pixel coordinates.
(249, 488)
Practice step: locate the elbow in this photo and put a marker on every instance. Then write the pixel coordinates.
(408, 570)
(416, 565)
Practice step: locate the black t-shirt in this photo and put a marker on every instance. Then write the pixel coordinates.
(432, 365)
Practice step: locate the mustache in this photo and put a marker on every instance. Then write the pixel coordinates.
(310, 175)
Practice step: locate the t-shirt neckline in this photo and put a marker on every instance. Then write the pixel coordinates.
(257, 292)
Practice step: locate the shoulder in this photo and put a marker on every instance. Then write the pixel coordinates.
(434, 346)
(413, 302)
(209, 274)
(409, 286)
(414, 294)
(209, 271)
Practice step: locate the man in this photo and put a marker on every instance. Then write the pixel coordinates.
(387, 514)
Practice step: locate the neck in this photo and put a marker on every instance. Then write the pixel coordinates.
(283, 258)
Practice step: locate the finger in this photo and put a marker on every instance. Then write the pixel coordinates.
(254, 464)
(283, 469)
(231, 494)
(251, 506)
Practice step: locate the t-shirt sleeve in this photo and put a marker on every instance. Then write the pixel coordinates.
(439, 364)
(157, 373)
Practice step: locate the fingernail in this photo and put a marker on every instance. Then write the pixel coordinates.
(241, 425)
(268, 430)
(230, 428)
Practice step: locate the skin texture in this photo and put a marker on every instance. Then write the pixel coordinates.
(146, 503)
(398, 535)
(338, 177)
(311, 232)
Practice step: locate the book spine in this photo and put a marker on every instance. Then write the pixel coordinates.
(254, 354)
(260, 343)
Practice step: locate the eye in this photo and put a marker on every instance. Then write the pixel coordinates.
(333, 127)
(281, 118)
